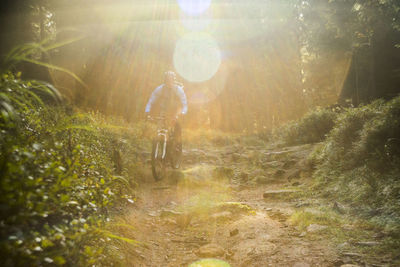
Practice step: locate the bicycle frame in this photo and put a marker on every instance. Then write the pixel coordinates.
(161, 154)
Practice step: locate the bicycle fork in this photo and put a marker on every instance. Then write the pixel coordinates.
(163, 134)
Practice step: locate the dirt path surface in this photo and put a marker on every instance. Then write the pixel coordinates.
(227, 203)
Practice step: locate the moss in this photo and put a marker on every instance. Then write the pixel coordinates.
(209, 263)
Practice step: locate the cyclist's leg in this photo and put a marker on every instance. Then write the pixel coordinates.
(177, 136)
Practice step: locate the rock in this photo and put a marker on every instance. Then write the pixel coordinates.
(302, 204)
(233, 207)
(271, 164)
(235, 157)
(222, 172)
(256, 173)
(303, 234)
(348, 227)
(170, 221)
(316, 228)
(277, 155)
(244, 176)
(222, 216)
(277, 193)
(349, 265)
(234, 232)
(343, 245)
(230, 254)
(368, 243)
(301, 264)
(210, 250)
(289, 163)
(337, 207)
(202, 262)
(379, 235)
(152, 214)
(279, 173)
(250, 236)
(294, 175)
(352, 254)
(184, 220)
(167, 213)
(175, 176)
(262, 179)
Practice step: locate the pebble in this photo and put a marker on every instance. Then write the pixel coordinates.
(234, 232)
(316, 228)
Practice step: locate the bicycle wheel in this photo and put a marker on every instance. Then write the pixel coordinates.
(176, 155)
(157, 163)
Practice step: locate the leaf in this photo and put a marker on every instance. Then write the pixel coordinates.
(48, 260)
(59, 260)
(47, 243)
(106, 190)
(51, 66)
(72, 203)
(113, 236)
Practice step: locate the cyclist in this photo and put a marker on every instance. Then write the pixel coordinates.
(169, 100)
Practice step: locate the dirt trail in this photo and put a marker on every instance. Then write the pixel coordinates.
(215, 208)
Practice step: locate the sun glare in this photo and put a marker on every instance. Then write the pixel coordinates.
(197, 57)
(194, 7)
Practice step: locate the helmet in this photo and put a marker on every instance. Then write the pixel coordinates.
(170, 74)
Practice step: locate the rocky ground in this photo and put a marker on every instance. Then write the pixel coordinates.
(237, 204)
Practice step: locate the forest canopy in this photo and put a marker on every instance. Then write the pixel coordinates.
(280, 58)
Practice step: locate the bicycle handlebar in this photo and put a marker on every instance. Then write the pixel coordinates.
(156, 118)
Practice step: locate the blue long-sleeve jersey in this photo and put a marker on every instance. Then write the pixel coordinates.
(158, 92)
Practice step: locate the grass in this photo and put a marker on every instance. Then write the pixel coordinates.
(347, 233)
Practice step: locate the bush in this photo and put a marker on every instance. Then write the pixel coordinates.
(360, 160)
(312, 128)
(58, 180)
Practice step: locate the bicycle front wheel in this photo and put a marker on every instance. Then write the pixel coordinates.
(158, 167)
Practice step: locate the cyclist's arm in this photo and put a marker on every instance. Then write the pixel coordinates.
(182, 97)
(153, 98)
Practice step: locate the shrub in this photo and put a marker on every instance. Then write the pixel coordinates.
(312, 128)
(359, 161)
(58, 180)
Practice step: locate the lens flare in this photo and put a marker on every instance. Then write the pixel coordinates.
(194, 7)
(197, 57)
(197, 23)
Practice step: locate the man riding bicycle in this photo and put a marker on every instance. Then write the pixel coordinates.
(169, 100)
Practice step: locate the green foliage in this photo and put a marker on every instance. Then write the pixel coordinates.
(58, 181)
(303, 218)
(312, 128)
(359, 161)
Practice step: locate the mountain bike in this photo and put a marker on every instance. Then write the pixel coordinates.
(165, 151)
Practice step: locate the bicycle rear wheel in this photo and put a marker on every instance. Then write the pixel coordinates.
(176, 155)
(158, 167)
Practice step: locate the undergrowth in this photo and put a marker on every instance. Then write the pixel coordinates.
(359, 163)
(62, 171)
(312, 128)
